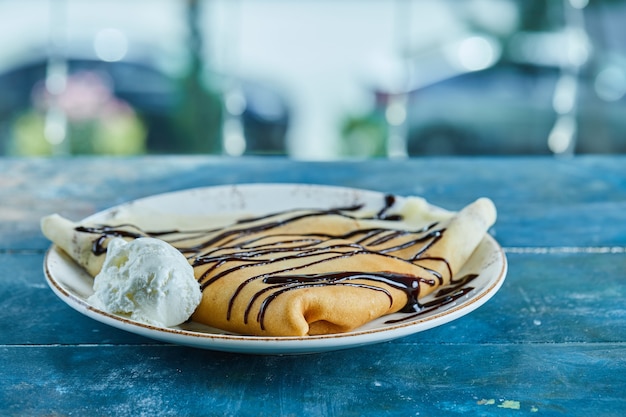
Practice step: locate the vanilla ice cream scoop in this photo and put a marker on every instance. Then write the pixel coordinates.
(147, 280)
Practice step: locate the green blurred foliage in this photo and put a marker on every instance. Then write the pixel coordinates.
(123, 134)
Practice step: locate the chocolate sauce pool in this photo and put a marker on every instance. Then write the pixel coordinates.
(242, 247)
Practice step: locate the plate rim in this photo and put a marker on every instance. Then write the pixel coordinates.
(229, 342)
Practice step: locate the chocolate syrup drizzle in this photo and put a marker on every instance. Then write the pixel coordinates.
(235, 248)
(456, 289)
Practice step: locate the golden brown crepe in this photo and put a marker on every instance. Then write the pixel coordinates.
(303, 272)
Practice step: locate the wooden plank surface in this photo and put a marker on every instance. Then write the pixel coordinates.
(532, 194)
(551, 342)
(400, 379)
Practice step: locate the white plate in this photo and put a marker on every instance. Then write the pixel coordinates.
(73, 285)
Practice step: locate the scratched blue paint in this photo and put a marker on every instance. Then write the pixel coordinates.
(552, 341)
(372, 381)
(542, 193)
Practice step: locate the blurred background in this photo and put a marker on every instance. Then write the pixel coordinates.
(313, 79)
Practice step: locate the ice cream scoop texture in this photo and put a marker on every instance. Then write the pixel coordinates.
(147, 280)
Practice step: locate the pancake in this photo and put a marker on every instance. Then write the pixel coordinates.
(304, 272)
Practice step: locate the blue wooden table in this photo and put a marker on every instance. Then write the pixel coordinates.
(551, 342)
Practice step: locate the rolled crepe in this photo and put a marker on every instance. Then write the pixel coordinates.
(303, 272)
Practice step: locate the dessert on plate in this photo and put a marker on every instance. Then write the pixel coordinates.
(295, 272)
